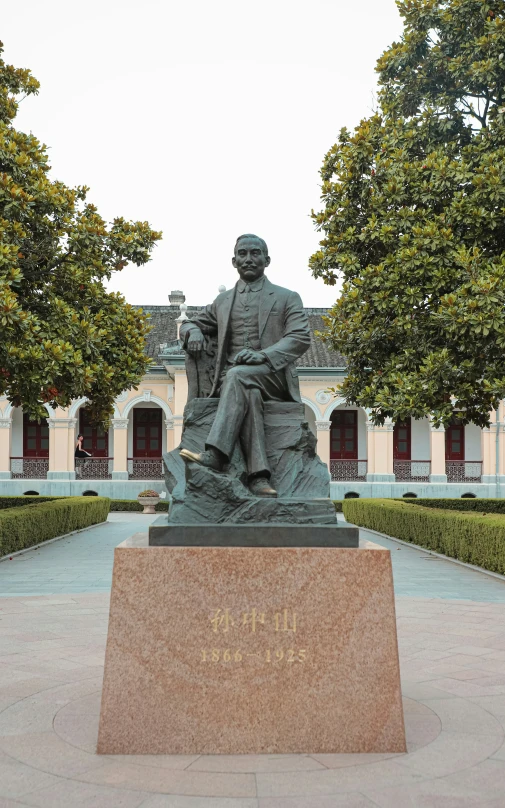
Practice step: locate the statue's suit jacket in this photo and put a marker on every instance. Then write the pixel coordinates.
(283, 331)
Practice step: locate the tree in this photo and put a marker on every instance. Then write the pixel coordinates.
(414, 222)
(63, 335)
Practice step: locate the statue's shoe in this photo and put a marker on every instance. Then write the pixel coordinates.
(206, 458)
(260, 487)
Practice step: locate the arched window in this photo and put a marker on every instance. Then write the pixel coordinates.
(351, 495)
(90, 494)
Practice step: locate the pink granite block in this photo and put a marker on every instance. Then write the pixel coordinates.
(233, 650)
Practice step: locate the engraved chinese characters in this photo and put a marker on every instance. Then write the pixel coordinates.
(223, 621)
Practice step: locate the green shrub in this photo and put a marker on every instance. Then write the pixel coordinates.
(17, 502)
(35, 523)
(115, 504)
(477, 504)
(475, 538)
(133, 505)
(338, 505)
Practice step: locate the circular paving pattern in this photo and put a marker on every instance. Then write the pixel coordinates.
(54, 732)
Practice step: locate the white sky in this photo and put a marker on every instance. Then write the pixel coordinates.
(208, 118)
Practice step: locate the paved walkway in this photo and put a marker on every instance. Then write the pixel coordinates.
(53, 625)
(80, 563)
(83, 563)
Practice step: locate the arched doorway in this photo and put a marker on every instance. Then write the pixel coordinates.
(463, 458)
(96, 441)
(411, 451)
(146, 442)
(30, 447)
(348, 445)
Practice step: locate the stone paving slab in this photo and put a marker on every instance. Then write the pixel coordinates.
(451, 630)
(49, 724)
(81, 562)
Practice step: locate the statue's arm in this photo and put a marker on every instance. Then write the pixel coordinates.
(205, 322)
(296, 338)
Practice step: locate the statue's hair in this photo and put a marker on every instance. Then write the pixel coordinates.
(251, 235)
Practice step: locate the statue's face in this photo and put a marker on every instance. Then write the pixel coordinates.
(250, 260)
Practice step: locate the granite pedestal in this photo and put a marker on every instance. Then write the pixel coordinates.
(165, 534)
(234, 649)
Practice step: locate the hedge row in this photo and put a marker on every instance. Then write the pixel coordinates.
(471, 537)
(32, 524)
(133, 505)
(466, 504)
(338, 505)
(115, 504)
(17, 502)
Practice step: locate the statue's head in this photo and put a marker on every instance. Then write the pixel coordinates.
(251, 257)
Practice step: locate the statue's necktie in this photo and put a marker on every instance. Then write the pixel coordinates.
(247, 305)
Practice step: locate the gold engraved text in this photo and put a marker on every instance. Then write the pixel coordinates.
(229, 655)
(282, 621)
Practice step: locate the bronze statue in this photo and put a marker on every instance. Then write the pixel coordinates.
(261, 331)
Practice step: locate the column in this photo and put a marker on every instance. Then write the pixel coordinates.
(381, 454)
(120, 462)
(180, 400)
(370, 447)
(323, 441)
(169, 424)
(488, 448)
(500, 427)
(5, 447)
(437, 453)
(61, 448)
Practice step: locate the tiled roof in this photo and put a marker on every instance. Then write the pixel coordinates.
(164, 330)
(319, 354)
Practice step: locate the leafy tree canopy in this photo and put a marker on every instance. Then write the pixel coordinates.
(414, 222)
(63, 335)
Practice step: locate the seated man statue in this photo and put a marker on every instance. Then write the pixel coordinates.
(261, 330)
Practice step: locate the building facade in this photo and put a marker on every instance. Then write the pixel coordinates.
(394, 460)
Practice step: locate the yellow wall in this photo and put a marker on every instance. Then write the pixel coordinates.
(171, 396)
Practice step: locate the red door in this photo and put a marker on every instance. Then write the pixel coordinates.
(455, 442)
(146, 432)
(35, 438)
(344, 435)
(96, 441)
(402, 441)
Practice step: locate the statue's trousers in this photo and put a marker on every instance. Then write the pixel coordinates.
(240, 412)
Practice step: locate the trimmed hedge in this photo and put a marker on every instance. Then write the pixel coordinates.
(115, 504)
(338, 505)
(17, 502)
(467, 504)
(133, 505)
(31, 524)
(475, 538)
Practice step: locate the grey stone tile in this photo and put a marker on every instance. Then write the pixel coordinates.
(17, 779)
(75, 794)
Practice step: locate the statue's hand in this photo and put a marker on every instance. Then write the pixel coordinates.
(195, 341)
(249, 357)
